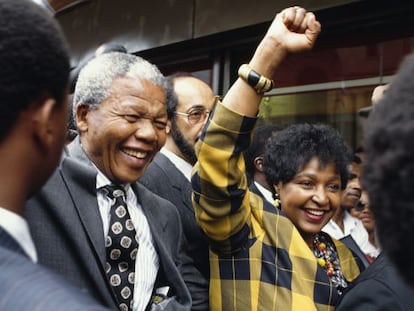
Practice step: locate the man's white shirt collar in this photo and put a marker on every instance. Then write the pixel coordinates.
(267, 194)
(17, 227)
(183, 166)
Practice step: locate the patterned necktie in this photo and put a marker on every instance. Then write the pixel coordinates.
(121, 248)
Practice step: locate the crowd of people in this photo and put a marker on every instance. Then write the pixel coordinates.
(168, 198)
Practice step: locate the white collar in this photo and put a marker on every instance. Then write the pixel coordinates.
(17, 227)
(267, 194)
(102, 180)
(183, 166)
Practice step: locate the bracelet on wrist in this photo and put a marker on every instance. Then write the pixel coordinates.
(258, 82)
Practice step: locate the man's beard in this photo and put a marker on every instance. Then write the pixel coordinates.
(183, 145)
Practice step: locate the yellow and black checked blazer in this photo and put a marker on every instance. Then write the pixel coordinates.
(258, 259)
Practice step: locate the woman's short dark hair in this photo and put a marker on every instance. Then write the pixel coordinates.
(388, 171)
(33, 59)
(288, 151)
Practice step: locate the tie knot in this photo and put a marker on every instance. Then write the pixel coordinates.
(114, 191)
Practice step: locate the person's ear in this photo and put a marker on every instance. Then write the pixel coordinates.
(43, 118)
(168, 127)
(81, 117)
(258, 163)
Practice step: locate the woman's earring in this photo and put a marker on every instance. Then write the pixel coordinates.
(277, 200)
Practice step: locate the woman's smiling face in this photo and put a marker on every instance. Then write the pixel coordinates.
(311, 198)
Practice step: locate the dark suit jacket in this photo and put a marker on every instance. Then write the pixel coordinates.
(163, 178)
(253, 188)
(67, 229)
(25, 285)
(379, 287)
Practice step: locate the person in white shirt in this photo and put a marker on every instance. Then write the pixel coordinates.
(362, 211)
(343, 223)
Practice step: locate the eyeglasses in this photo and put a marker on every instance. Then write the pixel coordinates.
(195, 116)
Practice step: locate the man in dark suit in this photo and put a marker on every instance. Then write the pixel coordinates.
(379, 287)
(120, 113)
(169, 175)
(33, 115)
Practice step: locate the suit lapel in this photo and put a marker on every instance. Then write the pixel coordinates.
(149, 206)
(186, 190)
(80, 178)
(7, 241)
(157, 223)
(180, 183)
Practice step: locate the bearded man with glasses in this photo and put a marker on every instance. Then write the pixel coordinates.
(189, 103)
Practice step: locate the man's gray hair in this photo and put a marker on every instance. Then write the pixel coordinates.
(95, 79)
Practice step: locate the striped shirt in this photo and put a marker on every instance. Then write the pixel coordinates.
(258, 259)
(147, 262)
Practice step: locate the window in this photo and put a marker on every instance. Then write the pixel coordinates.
(331, 85)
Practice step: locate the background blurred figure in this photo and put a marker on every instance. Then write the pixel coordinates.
(102, 49)
(253, 158)
(33, 107)
(169, 174)
(363, 212)
(377, 94)
(343, 223)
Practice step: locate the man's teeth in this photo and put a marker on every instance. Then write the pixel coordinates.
(136, 154)
(315, 212)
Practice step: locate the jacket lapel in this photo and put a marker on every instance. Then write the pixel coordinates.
(149, 206)
(81, 186)
(11, 244)
(80, 178)
(180, 183)
(157, 223)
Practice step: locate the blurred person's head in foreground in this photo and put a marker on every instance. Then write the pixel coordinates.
(389, 168)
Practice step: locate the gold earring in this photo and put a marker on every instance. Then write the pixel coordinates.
(277, 200)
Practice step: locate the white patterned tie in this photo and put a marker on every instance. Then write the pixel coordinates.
(121, 248)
